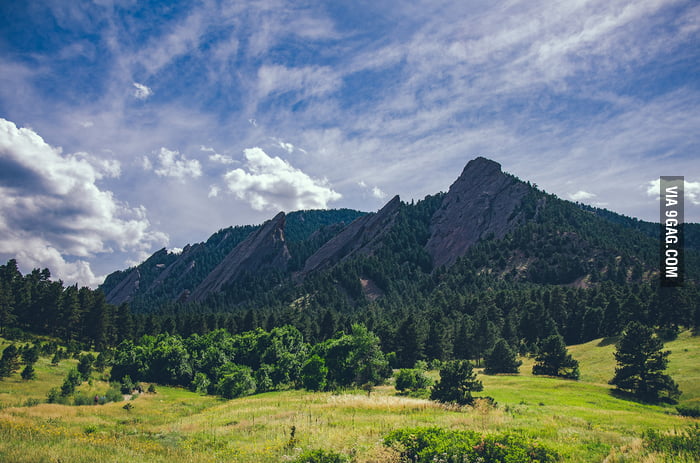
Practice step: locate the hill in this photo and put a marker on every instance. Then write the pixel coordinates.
(580, 420)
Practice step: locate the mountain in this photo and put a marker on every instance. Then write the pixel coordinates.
(481, 202)
(489, 230)
(264, 249)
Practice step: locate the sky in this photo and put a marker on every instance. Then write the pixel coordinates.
(129, 126)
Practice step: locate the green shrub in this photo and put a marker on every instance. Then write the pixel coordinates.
(689, 411)
(114, 394)
(427, 445)
(81, 399)
(321, 456)
(411, 379)
(680, 443)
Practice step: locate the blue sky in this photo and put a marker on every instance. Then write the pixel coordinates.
(127, 126)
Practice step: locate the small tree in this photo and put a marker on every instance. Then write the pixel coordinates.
(70, 383)
(501, 359)
(457, 381)
(10, 361)
(641, 365)
(314, 374)
(554, 360)
(236, 381)
(85, 366)
(28, 373)
(411, 379)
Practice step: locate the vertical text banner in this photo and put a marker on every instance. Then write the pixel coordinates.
(671, 220)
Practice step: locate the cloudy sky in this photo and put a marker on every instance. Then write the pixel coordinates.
(127, 126)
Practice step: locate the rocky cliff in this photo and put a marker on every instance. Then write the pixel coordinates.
(360, 237)
(483, 201)
(264, 249)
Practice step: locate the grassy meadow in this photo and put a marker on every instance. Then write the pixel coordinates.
(581, 420)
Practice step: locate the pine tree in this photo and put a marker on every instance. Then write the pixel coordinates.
(554, 360)
(501, 359)
(457, 382)
(10, 361)
(641, 365)
(29, 373)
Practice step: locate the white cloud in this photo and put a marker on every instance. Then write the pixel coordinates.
(288, 147)
(213, 191)
(581, 195)
(378, 193)
(142, 92)
(52, 212)
(691, 190)
(176, 165)
(272, 183)
(309, 80)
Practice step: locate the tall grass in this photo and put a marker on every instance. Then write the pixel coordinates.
(580, 420)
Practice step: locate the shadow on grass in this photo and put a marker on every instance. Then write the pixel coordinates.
(628, 396)
(608, 341)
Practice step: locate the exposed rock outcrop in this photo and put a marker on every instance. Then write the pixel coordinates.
(360, 237)
(264, 249)
(125, 289)
(481, 202)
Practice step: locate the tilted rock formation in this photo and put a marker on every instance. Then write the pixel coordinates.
(362, 236)
(481, 202)
(125, 289)
(263, 249)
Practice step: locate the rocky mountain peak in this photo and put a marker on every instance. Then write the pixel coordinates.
(481, 202)
(360, 237)
(263, 249)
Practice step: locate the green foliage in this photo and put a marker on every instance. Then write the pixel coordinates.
(54, 396)
(429, 445)
(28, 373)
(10, 361)
(501, 359)
(554, 360)
(641, 365)
(411, 379)
(684, 445)
(73, 380)
(456, 384)
(113, 394)
(321, 456)
(689, 410)
(200, 383)
(236, 381)
(85, 366)
(314, 374)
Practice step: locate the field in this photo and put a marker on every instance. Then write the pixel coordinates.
(581, 420)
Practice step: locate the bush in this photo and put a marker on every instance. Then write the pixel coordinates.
(114, 394)
(81, 399)
(321, 456)
(54, 396)
(427, 445)
(457, 381)
(411, 379)
(236, 381)
(689, 411)
(680, 443)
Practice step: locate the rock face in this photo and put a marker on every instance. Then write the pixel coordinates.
(125, 289)
(263, 249)
(360, 237)
(482, 201)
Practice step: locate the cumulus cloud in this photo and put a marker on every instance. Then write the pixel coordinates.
(273, 183)
(691, 190)
(176, 165)
(581, 195)
(378, 193)
(142, 92)
(52, 212)
(216, 157)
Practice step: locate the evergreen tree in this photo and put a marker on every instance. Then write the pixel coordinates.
(501, 359)
(314, 374)
(28, 373)
(456, 384)
(641, 365)
(10, 361)
(554, 360)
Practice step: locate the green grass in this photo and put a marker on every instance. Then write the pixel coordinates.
(581, 420)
